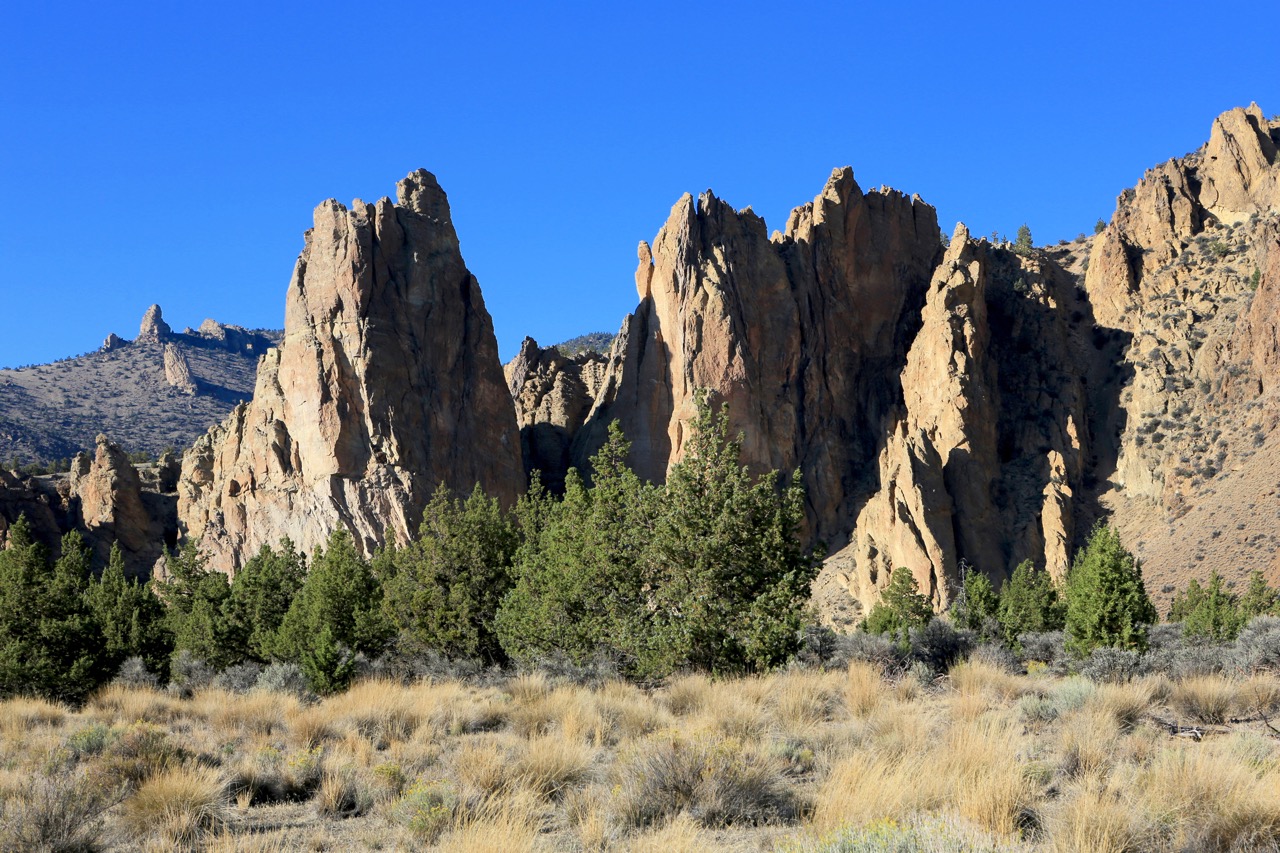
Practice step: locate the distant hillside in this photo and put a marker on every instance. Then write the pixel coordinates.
(590, 342)
(163, 389)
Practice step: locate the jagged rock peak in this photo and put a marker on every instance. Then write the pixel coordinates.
(153, 327)
(386, 384)
(779, 329)
(113, 342)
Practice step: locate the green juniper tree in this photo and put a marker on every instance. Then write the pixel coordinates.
(1259, 599)
(1107, 604)
(130, 616)
(730, 575)
(261, 594)
(1029, 603)
(901, 607)
(337, 613)
(50, 643)
(580, 588)
(1210, 612)
(979, 604)
(445, 587)
(1022, 245)
(196, 603)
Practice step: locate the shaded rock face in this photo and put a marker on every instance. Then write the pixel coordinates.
(386, 384)
(796, 333)
(553, 396)
(984, 459)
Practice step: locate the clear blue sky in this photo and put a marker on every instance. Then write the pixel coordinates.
(173, 152)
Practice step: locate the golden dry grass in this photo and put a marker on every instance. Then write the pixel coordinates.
(179, 805)
(1037, 763)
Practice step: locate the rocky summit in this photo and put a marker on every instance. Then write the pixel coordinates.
(387, 384)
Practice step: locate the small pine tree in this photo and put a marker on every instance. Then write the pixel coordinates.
(131, 618)
(1099, 226)
(1029, 603)
(197, 604)
(49, 641)
(731, 576)
(1107, 604)
(1210, 613)
(978, 603)
(580, 584)
(327, 664)
(261, 594)
(1259, 599)
(1022, 245)
(901, 607)
(339, 605)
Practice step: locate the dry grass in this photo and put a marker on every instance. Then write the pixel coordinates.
(1015, 762)
(864, 689)
(22, 714)
(179, 805)
(1207, 699)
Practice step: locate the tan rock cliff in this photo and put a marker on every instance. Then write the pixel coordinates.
(795, 332)
(386, 384)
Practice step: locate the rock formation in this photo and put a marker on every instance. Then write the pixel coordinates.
(1175, 272)
(109, 494)
(984, 411)
(984, 460)
(386, 384)
(797, 333)
(176, 370)
(104, 498)
(553, 396)
(153, 327)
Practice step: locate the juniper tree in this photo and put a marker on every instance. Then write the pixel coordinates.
(1029, 603)
(1107, 604)
(447, 585)
(729, 571)
(131, 618)
(579, 576)
(49, 641)
(901, 607)
(1207, 612)
(337, 613)
(261, 594)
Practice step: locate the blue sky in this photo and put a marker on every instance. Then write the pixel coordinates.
(173, 153)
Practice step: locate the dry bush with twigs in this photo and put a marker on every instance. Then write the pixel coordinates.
(804, 760)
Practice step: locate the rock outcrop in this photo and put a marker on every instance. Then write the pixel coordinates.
(553, 396)
(153, 327)
(386, 384)
(1175, 273)
(105, 499)
(984, 461)
(109, 495)
(176, 370)
(796, 333)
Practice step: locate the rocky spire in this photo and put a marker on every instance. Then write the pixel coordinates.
(387, 383)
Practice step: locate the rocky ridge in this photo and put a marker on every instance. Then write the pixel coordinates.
(160, 390)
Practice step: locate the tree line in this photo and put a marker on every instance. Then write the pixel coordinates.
(707, 572)
(1102, 602)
